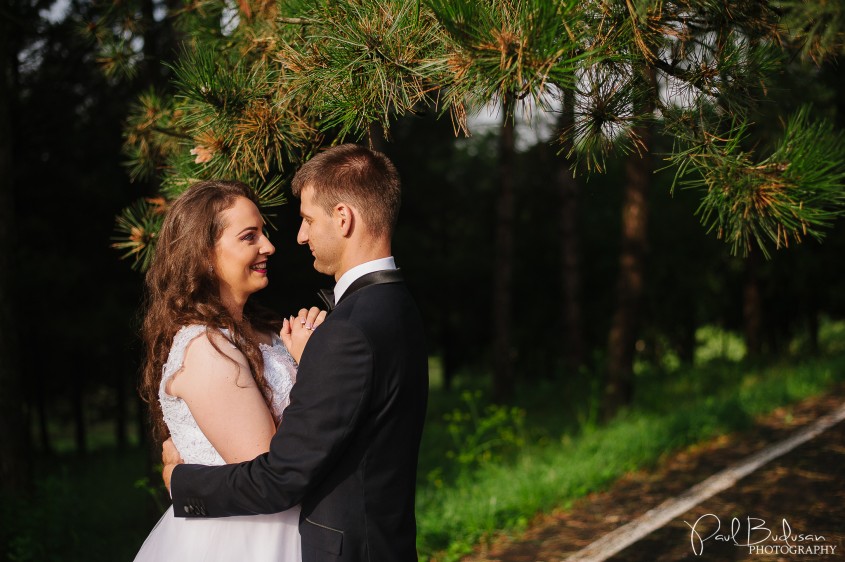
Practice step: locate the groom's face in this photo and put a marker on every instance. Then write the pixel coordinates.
(320, 231)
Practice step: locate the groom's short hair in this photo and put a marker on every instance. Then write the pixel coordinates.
(354, 174)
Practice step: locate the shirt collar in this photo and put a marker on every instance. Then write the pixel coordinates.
(359, 271)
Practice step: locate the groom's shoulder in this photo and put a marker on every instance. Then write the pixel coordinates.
(376, 297)
(382, 316)
(379, 304)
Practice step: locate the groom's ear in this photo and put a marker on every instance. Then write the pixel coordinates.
(344, 217)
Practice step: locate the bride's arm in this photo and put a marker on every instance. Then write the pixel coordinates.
(224, 399)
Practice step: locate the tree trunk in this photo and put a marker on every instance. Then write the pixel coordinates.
(752, 306)
(43, 428)
(80, 433)
(570, 246)
(161, 42)
(150, 74)
(686, 337)
(120, 423)
(142, 419)
(13, 428)
(503, 383)
(449, 337)
(813, 330)
(619, 387)
(448, 364)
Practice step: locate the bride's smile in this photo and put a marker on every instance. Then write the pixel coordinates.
(260, 267)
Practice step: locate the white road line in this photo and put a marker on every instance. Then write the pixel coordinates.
(628, 534)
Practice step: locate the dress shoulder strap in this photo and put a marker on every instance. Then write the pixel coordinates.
(176, 358)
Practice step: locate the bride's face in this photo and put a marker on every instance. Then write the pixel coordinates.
(240, 255)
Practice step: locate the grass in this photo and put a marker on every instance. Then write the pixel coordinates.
(672, 411)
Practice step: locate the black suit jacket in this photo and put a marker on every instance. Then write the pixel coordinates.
(347, 447)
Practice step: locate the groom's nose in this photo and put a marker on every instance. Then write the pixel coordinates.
(302, 235)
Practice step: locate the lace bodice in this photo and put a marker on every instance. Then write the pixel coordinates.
(279, 371)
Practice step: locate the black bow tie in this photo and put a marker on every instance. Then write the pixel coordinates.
(327, 296)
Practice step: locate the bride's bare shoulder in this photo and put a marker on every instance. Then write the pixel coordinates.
(210, 359)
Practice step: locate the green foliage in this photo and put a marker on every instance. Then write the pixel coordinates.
(696, 52)
(230, 119)
(480, 436)
(152, 490)
(136, 229)
(714, 344)
(359, 63)
(239, 121)
(832, 337)
(795, 192)
(151, 136)
(507, 50)
(817, 27)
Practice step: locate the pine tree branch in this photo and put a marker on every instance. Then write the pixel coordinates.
(684, 75)
(172, 133)
(794, 193)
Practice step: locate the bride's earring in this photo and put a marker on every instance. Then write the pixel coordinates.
(211, 269)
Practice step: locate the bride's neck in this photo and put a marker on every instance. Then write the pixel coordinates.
(235, 308)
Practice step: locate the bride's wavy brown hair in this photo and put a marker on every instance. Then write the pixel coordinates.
(181, 288)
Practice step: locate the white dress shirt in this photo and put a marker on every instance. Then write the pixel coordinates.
(359, 271)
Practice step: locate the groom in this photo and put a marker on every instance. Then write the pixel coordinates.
(347, 447)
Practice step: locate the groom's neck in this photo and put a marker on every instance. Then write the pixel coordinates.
(366, 251)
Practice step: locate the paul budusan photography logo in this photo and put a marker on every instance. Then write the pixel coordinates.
(755, 535)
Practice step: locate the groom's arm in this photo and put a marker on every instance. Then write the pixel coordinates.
(331, 392)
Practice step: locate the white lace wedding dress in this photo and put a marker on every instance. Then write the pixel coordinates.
(256, 537)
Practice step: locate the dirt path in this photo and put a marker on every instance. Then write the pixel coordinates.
(805, 487)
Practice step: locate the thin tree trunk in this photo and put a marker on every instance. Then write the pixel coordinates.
(619, 386)
(629, 286)
(161, 42)
(752, 306)
(142, 418)
(13, 428)
(80, 432)
(150, 72)
(43, 428)
(686, 339)
(448, 365)
(503, 382)
(813, 329)
(448, 336)
(570, 246)
(120, 421)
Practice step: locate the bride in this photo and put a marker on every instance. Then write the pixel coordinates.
(217, 376)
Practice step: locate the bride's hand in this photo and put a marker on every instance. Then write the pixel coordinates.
(170, 457)
(296, 331)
